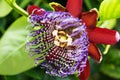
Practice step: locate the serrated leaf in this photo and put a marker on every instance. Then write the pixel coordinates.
(4, 8)
(109, 9)
(13, 57)
(111, 63)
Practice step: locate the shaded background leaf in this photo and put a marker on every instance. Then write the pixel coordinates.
(2, 24)
(111, 65)
(39, 74)
(91, 4)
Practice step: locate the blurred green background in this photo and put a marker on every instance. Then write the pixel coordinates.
(13, 33)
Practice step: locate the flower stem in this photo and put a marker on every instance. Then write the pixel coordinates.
(107, 47)
(13, 4)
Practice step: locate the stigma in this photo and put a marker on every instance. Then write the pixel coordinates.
(61, 39)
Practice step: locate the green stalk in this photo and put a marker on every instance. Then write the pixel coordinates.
(13, 4)
(107, 47)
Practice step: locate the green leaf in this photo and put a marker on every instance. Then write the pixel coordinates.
(13, 57)
(16, 77)
(2, 24)
(39, 74)
(92, 4)
(110, 24)
(109, 9)
(4, 8)
(111, 63)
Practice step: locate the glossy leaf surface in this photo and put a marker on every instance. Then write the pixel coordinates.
(13, 57)
(4, 8)
(109, 9)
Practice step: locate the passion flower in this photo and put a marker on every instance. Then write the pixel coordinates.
(62, 43)
(62, 40)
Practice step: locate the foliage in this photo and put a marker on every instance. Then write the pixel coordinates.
(14, 41)
(5, 8)
(15, 63)
(109, 9)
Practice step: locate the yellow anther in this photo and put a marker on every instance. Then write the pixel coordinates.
(61, 38)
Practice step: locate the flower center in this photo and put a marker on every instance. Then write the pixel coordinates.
(62, 39)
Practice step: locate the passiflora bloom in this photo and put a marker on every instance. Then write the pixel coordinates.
(61, 40)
